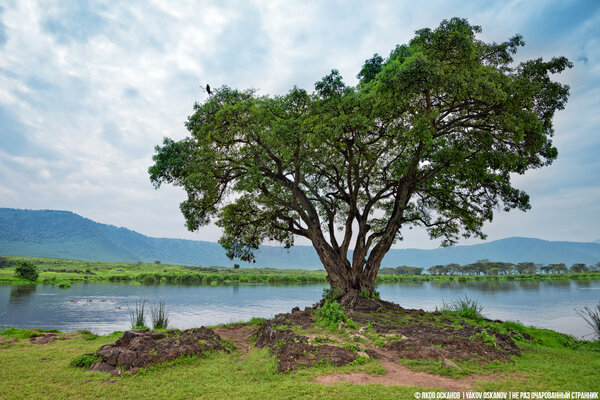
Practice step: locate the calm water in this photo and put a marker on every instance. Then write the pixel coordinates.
(102, 307)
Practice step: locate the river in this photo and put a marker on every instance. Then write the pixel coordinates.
(103, 307)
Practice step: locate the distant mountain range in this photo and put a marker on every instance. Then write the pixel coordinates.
(63, 234)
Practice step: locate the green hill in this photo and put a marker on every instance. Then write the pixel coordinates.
(63, 234)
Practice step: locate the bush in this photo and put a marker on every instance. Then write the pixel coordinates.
(331, 313)
(27, 270)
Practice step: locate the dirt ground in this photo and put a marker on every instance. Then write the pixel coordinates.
(388, 333)
(378, 330)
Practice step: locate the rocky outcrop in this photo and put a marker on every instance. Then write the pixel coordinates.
(141, 348)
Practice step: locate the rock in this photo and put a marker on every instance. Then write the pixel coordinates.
(446, 363)
(295, 309)
(141, 348)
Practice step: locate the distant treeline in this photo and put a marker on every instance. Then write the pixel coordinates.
(486, 267)
(59, 271)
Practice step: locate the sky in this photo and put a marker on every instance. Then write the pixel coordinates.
(87, 89)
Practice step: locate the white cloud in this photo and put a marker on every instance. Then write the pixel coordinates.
(90, 89)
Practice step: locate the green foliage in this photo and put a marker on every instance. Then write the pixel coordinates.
(331, 294)
(445, 120)
(465, 308)
(27, 270)
(84, 360)
(330, 314)
(485, 337)
(365, 294)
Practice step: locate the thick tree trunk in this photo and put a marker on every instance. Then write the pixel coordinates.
(348, 284)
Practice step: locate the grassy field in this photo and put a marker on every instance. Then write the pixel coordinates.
(66, 272)
(550, 361)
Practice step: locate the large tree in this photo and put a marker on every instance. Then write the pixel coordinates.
(429, 136)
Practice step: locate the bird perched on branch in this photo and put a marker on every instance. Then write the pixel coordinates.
(208, 89)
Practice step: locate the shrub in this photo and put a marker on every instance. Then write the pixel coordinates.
(331, 313)
(331, 294)
(84, 360)
(27, 270)
(465, 308)
(592, 317)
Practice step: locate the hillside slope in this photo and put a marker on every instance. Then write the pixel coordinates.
(63, 234)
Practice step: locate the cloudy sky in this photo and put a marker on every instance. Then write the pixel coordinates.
(87, 89)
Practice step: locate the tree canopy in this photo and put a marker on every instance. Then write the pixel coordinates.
(429, 136)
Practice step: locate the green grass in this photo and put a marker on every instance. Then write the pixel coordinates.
(45, 371)
(218, 376)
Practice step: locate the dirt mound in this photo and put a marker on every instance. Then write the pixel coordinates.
(292, 350)
(237, 334)
(141, 348)
(437, 344)
(43, 337)
(385, 331)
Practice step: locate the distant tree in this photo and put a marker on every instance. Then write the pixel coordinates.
(27, 270)
(435, 270)
(406, 270)
(236, 266)
(525, 268)
(504, 268)
(558, 268)
(4, 262)
(579, 268)
(431, 136)
(455, 269)
(157, 262)
(546, 269)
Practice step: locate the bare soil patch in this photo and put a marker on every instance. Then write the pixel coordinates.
(43, 337)
(238, 335)
(400, 375)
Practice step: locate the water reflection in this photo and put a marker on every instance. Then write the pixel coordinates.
(20, 294)
(583, 284)
(558, 283)
(102, 307)
(529, 285)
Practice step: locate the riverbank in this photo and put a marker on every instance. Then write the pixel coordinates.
(541, 361)
(66, 272)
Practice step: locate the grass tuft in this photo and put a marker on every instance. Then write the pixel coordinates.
(466, 308)
(137, 315)
(592, 317)
(160, 315)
